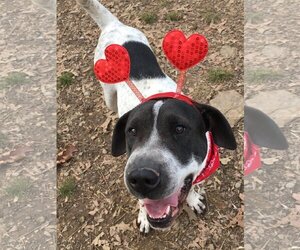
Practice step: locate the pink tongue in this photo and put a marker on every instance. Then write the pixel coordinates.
(157, 208)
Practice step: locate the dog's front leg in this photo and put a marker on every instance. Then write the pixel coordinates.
(142, 219)
(196, 200)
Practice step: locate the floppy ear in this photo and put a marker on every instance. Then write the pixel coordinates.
(263, 131)
(118, 146)
(217, 124)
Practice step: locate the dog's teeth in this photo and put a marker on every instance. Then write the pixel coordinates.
(168, 210)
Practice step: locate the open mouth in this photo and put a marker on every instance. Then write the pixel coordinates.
(161, 213)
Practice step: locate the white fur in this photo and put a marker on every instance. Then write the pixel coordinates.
(142, 219)
(194, 200)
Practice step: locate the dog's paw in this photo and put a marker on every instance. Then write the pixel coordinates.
(143, 221)
(196, 202)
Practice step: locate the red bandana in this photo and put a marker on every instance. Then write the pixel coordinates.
(211, 162)
(251, 155)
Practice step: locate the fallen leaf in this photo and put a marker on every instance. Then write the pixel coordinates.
(270, 161)
(224, 161)
(17, 154)
(296, 196)
(121, 227)
(238, 219)
(197, 243)
(66, 154)
(98, 242)
(192, 216)
(292, 219)
(105, 124)
(242, 196)
(93, 212)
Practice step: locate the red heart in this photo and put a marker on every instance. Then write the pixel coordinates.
(116, 67)
(184, 53)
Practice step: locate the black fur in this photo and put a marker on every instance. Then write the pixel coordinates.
(216, 122)
(192, 140)
(143, 61)
(197, 120)
(141, 118)
(263, 130)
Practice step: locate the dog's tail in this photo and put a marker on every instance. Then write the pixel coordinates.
(98, 12)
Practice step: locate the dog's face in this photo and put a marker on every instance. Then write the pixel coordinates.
(166, 145)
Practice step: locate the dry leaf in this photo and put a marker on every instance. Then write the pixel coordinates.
(293, 218)
(66, 154)
(105, 124)
(197, 243)
(296, 196)
(238, 219)
(121, 227)
(242, 196)
(98, 242)
(93, 212)
(17, 154)
(224, 161)
(192, 216)
(270, 161)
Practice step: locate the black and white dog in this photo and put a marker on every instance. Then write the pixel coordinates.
(164, 139)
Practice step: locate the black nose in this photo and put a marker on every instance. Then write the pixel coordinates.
(143, 180)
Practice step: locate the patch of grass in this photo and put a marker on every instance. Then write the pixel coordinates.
(174, 16)
(263, 75)
(67, 188)
(18, 187)
(14, 78)
(66, 79)
(255, 17)
(211, 17)
(165, 3)
(3, 140)
(149, 17)
(219, 75)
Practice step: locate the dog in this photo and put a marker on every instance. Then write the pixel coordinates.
(165, 139)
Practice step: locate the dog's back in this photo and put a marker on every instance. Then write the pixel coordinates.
(113, 31)
(144, 70)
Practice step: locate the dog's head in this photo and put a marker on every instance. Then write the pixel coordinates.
(166, 144)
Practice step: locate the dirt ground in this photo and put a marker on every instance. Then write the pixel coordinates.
(27, 118)
(272, 213)
(100, 213)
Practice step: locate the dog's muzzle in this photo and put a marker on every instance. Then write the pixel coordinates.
(143, 180)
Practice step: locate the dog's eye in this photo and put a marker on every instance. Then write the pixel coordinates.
(132, 131)
(180, 129)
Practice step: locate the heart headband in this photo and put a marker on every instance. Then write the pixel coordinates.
(182, 52)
